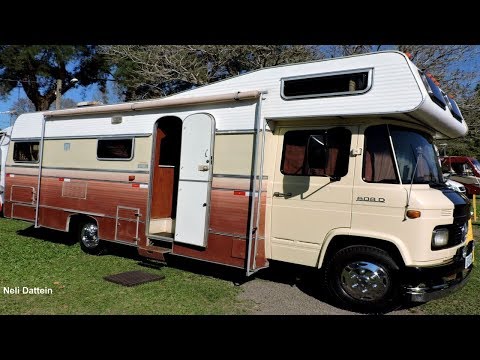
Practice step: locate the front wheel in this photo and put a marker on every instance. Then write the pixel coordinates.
(363, 278)
(87, 234)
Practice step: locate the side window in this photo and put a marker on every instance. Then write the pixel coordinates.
(458, 168)
(26, 151)
(316, 152)
(115, 149)
(446, 166)
(378, 162)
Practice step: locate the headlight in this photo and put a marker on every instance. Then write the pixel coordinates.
(439, 237)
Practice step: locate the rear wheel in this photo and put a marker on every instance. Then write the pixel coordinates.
(87, 233)
(363, 278)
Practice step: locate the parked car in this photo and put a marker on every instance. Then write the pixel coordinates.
(455, 185)
(465, 170)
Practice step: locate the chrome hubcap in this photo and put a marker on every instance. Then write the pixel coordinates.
(89, 235)
(365, 281)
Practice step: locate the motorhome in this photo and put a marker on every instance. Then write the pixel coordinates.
(328, 164)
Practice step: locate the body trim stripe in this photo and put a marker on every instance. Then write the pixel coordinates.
(81, 137)
(85, 179)
(237, 176)
(83, 169)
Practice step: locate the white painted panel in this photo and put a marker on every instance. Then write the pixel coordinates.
(191, 213)
(195, 158)
(195, 179)
(28, 126)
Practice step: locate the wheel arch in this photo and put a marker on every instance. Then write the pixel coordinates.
(76, 219)
(337, 241)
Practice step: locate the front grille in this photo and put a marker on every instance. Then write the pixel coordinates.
(456, 233)
(461, 214)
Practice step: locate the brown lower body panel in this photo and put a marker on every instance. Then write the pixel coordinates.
(229, 219)
(120, 211)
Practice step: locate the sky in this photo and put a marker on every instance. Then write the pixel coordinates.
(91, 93)
(77, 94)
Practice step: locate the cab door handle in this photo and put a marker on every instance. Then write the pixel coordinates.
(279, 194)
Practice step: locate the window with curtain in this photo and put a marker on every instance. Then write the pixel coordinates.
(316, 152)
(114, 149)
(26, 151)
(378, 161)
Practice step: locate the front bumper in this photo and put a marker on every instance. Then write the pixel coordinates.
(425, 284)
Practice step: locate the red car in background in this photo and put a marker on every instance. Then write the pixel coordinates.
(463, 169)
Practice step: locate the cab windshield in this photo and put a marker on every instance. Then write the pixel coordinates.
(416, 156)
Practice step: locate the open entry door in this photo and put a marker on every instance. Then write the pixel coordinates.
(193, 206)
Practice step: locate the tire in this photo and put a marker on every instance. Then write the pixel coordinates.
(87, 236)
(364, 279)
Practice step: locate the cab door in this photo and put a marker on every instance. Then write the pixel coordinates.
(312, 190)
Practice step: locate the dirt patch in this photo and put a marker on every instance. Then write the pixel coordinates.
(289, 291)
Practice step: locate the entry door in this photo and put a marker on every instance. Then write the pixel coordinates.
(307, 205)
(193, 204)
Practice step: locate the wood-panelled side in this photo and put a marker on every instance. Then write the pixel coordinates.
(23, 194)
(162, 198)
(229, 211)
(219, 250)
(100, 202)
(24, 212)
(54, 218)
(229, 216)
(102, 197)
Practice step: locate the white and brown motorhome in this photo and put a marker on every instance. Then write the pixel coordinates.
(328, 164)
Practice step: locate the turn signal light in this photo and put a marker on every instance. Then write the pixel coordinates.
(413, 214)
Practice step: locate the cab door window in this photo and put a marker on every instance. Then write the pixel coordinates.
(316, 152)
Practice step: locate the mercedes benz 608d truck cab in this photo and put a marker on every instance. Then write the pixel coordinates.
(328, 164)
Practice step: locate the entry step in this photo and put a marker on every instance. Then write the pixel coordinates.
(154, 252)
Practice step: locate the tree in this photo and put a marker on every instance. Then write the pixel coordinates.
(155, 71)
(446, 63)
(24, 105)
(37, 69)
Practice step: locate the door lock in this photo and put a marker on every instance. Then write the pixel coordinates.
(203, 167)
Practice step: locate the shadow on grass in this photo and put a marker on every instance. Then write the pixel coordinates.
(49, 235)
(306, 279)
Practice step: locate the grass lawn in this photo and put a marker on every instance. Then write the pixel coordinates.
(467, 300)
(78, 286)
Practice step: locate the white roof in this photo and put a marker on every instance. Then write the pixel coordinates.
(396, 89)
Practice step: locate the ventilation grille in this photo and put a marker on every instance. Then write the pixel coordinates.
(77, 190)
(447, 212)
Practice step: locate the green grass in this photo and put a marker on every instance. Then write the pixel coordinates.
(78, 286)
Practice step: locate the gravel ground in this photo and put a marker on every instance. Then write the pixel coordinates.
(282, 291)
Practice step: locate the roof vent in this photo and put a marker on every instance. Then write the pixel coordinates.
(89, 103)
